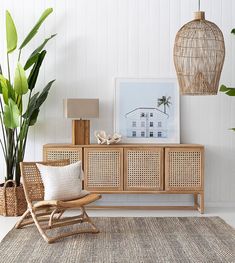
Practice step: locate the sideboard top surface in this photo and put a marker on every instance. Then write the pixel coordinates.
(124, 145)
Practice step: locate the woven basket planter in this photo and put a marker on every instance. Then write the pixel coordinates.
(199, 53)
(12, 199)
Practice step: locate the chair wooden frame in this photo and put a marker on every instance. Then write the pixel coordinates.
(47, 215)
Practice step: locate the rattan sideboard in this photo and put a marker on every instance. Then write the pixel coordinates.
(138, 168)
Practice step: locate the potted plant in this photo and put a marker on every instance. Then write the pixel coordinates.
(228, 90)
(19, 109)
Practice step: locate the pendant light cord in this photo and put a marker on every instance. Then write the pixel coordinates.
(199, 5)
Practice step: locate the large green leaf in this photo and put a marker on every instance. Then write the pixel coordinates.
(11, 115)
(42, 97)
(34, 107)
(0, 87)
(34, 56)
(223, 88)
(19, 103)
(11, 92)
(11, 33)
(6, 89)
(31, 106)
(34, 30)
(227, 90)
(23, 131)
(35, 103)
(5, 94)
(34, 117)
(20, 81)
(3, 83)
(32, 79)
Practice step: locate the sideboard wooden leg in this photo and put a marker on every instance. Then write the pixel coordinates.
(201, 207)
(195, 197)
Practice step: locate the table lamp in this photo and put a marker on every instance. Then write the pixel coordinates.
(77, 109)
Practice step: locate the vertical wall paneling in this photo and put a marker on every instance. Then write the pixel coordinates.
(154, 37)
(98, 40)
(165, 54)
(133, 37)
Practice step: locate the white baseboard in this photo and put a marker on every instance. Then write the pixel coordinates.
(220, 204)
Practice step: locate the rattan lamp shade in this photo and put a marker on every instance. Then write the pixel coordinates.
(199, 53)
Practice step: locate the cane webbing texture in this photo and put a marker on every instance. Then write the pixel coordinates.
(73, 155)
(199, 53)
(103, 170)
(185, 170)
(143, 170)
(32, 180)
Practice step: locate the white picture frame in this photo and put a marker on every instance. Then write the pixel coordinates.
(147, 110)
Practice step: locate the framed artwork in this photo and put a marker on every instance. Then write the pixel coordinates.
(147, 110)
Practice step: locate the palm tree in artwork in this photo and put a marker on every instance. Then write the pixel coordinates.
(165, 101)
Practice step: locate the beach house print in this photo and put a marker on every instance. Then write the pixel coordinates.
(146, 122)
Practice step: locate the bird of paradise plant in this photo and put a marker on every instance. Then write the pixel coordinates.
(19, 104)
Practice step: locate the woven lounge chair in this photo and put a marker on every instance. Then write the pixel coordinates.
(48, 215)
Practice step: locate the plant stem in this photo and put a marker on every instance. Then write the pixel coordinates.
(26, 126)
(19, 55)
(10, 159)
(3, 127)
(4, 153)
(21, 142)
(8, 67)
(17, 157)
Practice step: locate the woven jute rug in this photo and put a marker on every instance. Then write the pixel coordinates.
(172, 239)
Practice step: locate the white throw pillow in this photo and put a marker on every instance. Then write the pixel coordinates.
(62, 182)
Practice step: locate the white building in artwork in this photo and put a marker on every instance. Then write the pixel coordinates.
(145, 122)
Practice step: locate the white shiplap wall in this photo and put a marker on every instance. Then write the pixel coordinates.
(101, 39)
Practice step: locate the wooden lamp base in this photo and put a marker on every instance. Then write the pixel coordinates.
(81, 132)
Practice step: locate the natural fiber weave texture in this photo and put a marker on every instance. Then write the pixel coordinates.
(144, 170)
(199, 53)
(185, 170)
(103, 169)
(12, 200)
(59, 153)
(33, 181)
(192, 239)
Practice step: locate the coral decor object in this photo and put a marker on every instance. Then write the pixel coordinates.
(103, 138)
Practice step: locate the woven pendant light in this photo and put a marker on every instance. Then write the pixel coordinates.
(199, 53)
